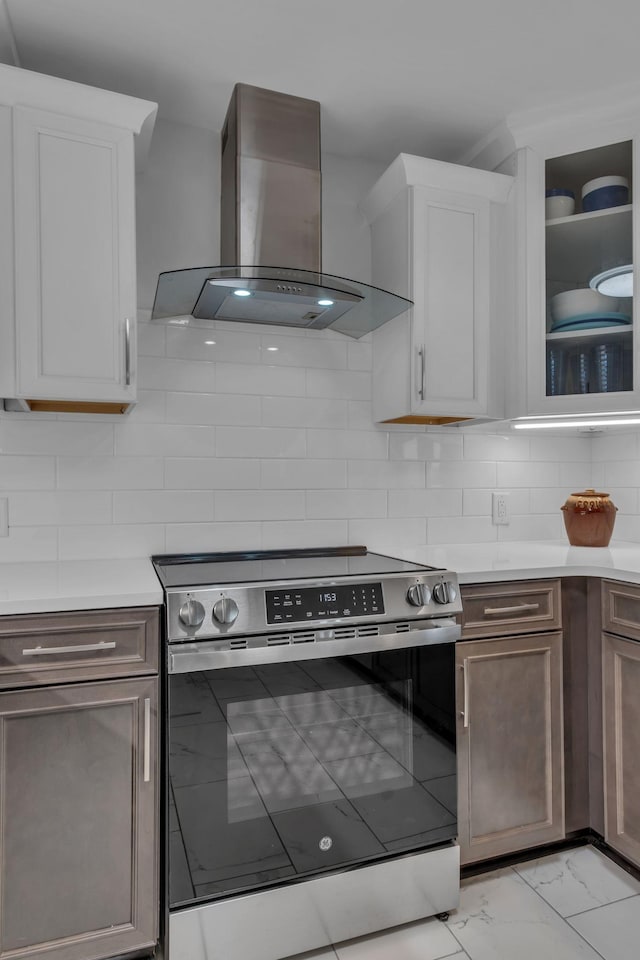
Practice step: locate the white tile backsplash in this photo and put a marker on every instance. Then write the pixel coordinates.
(425, 446)
(336, 504)
(27, 473)
(255, 380)
(234, 446)
(464, 473)
(60, 507)
(110, 473)
(347, 444)
(162, 506)
(303, 474)
(260, 442)
(260, 505)
(212, 408)
(211, 473)
(306, 412)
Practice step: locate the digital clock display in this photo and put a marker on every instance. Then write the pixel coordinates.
(313, 603)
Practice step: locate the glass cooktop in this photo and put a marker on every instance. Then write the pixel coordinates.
(191, 570)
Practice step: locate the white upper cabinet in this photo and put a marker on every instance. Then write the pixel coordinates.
(572, 352)
(438, 238)
(68, 162)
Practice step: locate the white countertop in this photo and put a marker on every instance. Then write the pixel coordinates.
(484, 562)
(44, 587)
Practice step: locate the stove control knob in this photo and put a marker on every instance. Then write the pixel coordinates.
(225, 610)
(191, 613)
(445, 592)
(418, 595)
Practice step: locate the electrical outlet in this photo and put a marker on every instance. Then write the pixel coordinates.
(4, 517)
(500, 509)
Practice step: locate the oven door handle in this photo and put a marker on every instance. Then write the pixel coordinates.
(208, 655)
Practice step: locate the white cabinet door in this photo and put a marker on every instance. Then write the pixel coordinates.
(451, 265)
(585, 361)
(438, 240)
(75, 272)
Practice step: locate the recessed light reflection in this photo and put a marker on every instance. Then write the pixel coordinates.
(210, 343)
(272, 349)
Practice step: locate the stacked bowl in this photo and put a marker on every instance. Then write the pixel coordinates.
(604, 192)
(583, 309)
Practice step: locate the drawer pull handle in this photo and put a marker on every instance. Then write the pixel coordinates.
(519, 608)
(146, 763)
(80, 648)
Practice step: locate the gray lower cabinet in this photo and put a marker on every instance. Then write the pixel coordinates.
(510, 744)
(621, 713)
(78, 820)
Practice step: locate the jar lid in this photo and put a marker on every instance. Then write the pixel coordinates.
(589, 493)
(559, 192)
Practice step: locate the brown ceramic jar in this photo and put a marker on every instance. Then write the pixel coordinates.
(589, 518)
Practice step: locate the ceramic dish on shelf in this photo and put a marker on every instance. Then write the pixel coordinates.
(588, 321)
(576, 304)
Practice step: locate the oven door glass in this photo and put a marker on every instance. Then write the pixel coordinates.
(288, 770)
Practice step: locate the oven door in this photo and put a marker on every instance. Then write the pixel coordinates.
(290, 761)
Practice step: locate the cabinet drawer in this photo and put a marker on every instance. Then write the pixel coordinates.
(621, 609)
(499, 609)
(63, 647)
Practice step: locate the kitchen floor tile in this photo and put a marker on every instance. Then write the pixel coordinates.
(614, 930)
(327, 954)
(500, 918)
(578, 880)
(423, 940)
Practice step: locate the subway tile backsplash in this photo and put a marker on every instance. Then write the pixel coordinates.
(247, 438)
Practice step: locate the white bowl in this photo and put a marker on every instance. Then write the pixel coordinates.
(571, 303)
(560, 206)
(601, 182)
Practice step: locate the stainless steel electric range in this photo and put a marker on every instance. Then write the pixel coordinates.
(311, 748)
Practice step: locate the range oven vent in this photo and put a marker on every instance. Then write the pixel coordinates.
(237, 644)
(370, 631)
(345, 633)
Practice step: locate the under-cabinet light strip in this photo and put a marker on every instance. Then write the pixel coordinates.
(554, 424)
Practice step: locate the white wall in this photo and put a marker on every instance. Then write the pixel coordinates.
(235, 445)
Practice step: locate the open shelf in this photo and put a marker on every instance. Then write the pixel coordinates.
(580, 246)
(594, 333)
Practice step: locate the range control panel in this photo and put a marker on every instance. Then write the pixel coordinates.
(323, 603)
(238, 609)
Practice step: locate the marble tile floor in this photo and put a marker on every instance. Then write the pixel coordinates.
(574, 905)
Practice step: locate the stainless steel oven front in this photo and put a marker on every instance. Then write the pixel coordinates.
(312, 768)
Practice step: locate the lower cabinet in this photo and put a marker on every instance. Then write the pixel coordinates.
(510, 744)
(621, 713)
(78, 820)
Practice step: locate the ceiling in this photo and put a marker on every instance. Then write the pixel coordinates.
(429, 77)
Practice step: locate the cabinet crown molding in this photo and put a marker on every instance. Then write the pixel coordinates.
(28, 89)
(407, 170)
(565, 127)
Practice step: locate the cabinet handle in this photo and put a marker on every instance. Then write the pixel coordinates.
(519, 608)
(421, 387)
(127, 351)
(146, 762)
(465, 698)
(80, 648)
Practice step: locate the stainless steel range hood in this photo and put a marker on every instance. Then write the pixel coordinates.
(270, 224)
